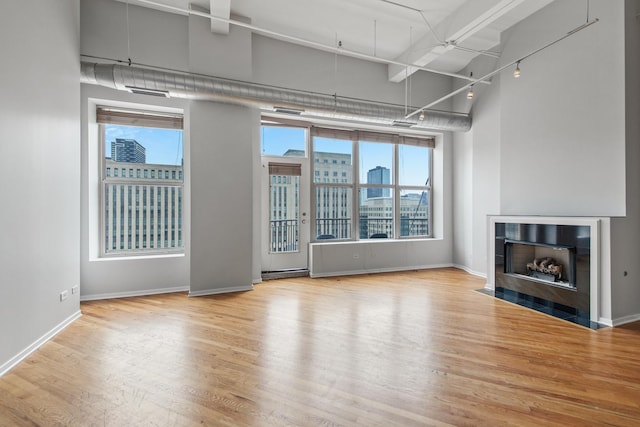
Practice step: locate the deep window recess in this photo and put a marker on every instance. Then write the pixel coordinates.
(383, 189)
(141, 214)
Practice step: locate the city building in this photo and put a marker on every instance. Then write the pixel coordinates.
(333, 203)
(376, 216)
(378, 175)
(127, 150)
(143, 207)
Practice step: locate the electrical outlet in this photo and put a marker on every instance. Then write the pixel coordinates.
(75, 289)
(63, 295)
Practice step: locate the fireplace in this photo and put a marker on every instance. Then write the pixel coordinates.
(549, 264)
(545, 267)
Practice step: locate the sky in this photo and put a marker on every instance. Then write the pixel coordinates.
(414, 161)
(163, 146)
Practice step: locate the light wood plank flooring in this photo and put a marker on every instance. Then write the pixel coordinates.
(403, 349)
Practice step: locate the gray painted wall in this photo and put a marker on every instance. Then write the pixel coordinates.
(476, 170)
(561, 140)
(156, 37)
(282, 64)
(221, 204)
(122, 276)
(224, 147)
(329, 259)
(562, 123)
(40, 171)
(625, 232)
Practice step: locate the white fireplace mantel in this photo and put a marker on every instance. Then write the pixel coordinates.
(599, 243)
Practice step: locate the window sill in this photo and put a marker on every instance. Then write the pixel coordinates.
(109, 258)
(375, 241)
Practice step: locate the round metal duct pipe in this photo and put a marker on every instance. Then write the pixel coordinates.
(188, 86)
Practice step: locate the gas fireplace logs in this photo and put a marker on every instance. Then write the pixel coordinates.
(545, 268)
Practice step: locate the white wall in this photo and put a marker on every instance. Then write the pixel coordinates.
(40, 172)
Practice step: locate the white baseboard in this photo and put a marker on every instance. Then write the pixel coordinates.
(470, 271)
(127, 294)
(221, 291)
(38, 343)
(624, 320)
(377, 270)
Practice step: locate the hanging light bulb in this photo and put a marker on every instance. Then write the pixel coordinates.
(470, 93)
(516, 73)
(421, 116)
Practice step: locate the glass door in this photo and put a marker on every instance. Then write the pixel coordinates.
(285, 204)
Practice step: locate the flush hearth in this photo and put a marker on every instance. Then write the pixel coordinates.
(545, 267)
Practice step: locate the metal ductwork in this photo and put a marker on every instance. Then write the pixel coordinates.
(197, 87)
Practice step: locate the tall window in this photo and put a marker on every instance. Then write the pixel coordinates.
(390, 176)
(141, 214)
(333, 197)
(376, 181)
(414, 185)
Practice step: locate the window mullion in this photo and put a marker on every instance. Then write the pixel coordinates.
(355, 197)
(396, 192)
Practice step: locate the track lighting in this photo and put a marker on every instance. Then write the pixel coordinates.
(516, 73)
(421, 116)
(470, 93)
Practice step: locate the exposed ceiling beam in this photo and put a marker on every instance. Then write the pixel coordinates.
(220, 9)
(472, 17)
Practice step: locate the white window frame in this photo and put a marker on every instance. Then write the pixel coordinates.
(139, 180)
(356, 186)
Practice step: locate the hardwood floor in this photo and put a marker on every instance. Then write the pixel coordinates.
(402, 349)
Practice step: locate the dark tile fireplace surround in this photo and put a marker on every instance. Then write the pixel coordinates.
(545, 267)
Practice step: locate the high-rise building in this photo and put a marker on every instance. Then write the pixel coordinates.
(333, 203)
(378, 175)
(127, 150)
(142, 207)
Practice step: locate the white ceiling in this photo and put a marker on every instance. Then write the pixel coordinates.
(417, 32)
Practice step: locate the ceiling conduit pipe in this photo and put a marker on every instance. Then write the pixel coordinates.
(198, 87)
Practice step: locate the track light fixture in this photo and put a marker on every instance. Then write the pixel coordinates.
(421, 116)
(470, 93)
(516, 73)
(486, 77)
